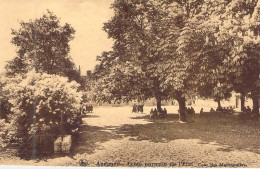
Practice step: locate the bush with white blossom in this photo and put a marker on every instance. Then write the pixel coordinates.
(40, 101)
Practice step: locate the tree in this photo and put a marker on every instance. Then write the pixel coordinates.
(43, 44)
(244, 61)
(135, 70)
(146, 37)
(183, 70)
(237, 31)
(228, 32)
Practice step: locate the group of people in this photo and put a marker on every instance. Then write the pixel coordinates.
(154, 113)
(247, 112)
(190, 110)
(86, 109)
(228, 109)
(138, 108)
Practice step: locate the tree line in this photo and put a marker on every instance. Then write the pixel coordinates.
(175, 49)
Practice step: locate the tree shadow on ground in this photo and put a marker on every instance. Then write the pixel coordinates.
(89, 137)
(226, 130)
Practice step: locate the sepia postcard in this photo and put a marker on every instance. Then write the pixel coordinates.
(130, 83)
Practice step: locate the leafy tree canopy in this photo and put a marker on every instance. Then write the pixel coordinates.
(43, 44)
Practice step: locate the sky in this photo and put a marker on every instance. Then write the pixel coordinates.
(85, 16)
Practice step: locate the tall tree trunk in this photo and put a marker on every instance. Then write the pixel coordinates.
(159, 104)
(219, 104)
(242, 98)
(255, 111)
(182, 107)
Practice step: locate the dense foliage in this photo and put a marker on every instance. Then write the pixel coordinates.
(175, 49)
(41, 104)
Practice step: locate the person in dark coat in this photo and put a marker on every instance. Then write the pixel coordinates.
(155, 112)
(134, 108)
(248, 112)
(192, 110)
(201, 111)
(141, 108)
(151, 114)
(91, 108)
(165, 111)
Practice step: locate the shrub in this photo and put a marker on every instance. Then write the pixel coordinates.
(39, 101)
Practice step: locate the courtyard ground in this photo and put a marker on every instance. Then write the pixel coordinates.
(113, 136)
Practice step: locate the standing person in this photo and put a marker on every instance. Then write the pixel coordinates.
(151, 113)
(192, 113)
(142, 108)
(243, 113)
(91, 108)
(165, 111)
(155, 112)
(192, 110)
(80, 109)
(248, 112)
(134, 108)
(138, 108)
(84, 109)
